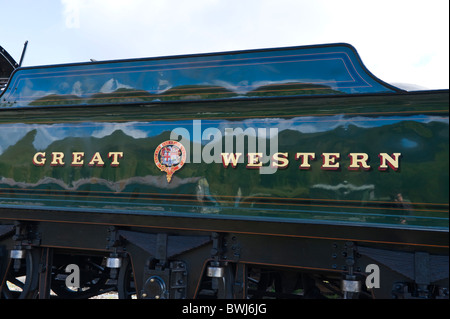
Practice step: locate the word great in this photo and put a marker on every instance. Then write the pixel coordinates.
(77, 159)
(330, 161)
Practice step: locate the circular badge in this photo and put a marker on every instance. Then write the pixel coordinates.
(169, 157)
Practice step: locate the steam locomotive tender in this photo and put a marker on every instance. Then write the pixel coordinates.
(275, 173)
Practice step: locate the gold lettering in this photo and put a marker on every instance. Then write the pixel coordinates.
(280, 157)
(330, 161)
(57, 159)
(387, 161)
(39, 159)
(230, 157)
(77, 159)
(305, 157)
(358, 160)
(96, 160)
(253, 160)
(115, 158)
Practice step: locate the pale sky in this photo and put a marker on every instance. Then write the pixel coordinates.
(399, 41)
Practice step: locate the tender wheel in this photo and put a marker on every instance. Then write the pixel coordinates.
(125, 284)
(22, 278)
(93, 278)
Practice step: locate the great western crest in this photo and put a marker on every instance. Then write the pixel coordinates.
(169, 157)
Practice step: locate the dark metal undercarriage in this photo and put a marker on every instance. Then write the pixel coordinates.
(174, 258)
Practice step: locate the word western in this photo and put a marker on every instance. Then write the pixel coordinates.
(77, 160)
(330, 161)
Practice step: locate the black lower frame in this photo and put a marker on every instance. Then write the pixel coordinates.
(164, 257)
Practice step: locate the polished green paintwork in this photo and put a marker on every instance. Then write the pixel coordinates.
(296, 71)
(414, 124)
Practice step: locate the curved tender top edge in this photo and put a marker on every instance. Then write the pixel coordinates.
(329, 69)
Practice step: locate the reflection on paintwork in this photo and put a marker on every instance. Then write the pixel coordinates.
(199, 188)
(46, 134)
(322, 70)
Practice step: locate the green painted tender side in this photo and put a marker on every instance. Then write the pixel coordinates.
(415, 125)
(268, 119)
